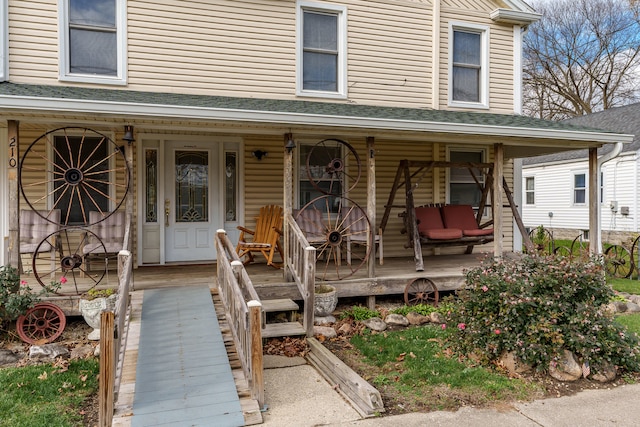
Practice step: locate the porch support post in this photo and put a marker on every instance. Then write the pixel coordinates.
(595, 246)
(371, 213)
(14, 195)
(288, 204)
(498, 175)
(129, 202)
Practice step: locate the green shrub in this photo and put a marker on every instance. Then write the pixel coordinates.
(358, 312)
(16, 297)
(536, 306)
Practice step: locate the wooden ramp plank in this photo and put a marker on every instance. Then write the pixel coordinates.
(183, 374)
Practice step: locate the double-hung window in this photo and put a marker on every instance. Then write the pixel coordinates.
(579, 189)
(468, 68)
(463, 189)
(93, 41)
(321, 45)
(530, 187)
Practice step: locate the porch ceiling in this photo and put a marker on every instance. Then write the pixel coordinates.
(522, 136)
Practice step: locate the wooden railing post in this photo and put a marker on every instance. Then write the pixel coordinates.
(107, 369)
(309, 282)
(257, 376)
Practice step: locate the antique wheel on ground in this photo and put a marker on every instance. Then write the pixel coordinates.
(542, 240)
(327, 164)
(421, 291)
(331, 224)
(83, 171)
(43, 323)
(617, 261)
(73, 248)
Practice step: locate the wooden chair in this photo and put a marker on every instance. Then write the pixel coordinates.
(111, 231)
(265, 238)
(34, 229)
(311, 225)
(357, 233)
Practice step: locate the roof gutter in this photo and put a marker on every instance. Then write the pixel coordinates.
(617, 149)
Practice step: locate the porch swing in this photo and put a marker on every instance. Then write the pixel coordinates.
(441, 225)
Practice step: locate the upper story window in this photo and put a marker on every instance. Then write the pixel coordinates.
(579, 189)
(530, 196)
(463, 189)
(4, 41)
(93, 41)
(468, 67)
(321, 57)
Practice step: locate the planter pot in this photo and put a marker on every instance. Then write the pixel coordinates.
(91, 310)
(325, 302)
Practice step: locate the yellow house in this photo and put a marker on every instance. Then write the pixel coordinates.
(212, 98)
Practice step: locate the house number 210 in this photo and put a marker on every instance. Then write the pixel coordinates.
(13, 155)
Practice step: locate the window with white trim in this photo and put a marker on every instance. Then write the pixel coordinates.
(468, 65)
(93, 41)
(4, 41)
(579, 189)
(530, 196)
(463, 189)
(321, 50)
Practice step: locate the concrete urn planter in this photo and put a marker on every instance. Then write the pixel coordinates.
(326, 299)
(91, 310)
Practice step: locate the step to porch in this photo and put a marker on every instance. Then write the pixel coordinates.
(281, 329)
(285, 329)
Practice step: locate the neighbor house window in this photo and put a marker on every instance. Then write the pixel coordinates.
(468, 84)
(530, 191)
(321, 42)
(92, 41)
(76, 204)
(579, 188)
(463, 189)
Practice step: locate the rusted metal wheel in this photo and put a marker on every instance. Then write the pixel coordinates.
(563, 251)
(41, 324)
(542, 240)
(421, 291)
(635, 257)
(76, 170)
(334, 225)
(617, 261)
(74, 247)
(333, 167)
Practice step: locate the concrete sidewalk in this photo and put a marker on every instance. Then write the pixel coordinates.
(297, 395)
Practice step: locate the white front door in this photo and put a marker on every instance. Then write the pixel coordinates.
(190, 211)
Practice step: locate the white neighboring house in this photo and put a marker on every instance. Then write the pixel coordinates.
(555, 187)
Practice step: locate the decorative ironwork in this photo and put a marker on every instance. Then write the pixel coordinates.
(192, 186)
(151, 181)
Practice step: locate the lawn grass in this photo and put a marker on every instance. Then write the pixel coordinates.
(630, 286)
(411, 366)
(46, 395)
(630, 321)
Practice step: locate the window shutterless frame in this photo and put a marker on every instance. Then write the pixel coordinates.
(468, 65)
(321, 50)
(92, 41)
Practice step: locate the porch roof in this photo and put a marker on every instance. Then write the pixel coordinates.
(525, 135)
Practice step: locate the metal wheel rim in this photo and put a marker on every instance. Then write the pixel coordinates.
(43, 323)
(335, 167)
(421, 291)
(618, 261)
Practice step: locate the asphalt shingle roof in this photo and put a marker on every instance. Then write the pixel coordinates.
(624, 119)
(339, 109)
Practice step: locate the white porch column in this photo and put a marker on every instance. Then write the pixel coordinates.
(498, 174)
(594, 214)
(14, 197)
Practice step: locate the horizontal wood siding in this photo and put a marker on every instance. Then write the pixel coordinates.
(248, 48)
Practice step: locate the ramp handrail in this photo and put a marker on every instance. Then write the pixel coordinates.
(245, 318)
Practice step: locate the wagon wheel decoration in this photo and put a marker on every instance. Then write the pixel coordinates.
(76, 170)
(43, 323)
(332, 224)
(74, 248)
(327, 167)
(421, 291)
(635, 256)
(617, 260)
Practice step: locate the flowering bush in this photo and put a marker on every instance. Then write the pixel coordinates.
(15, 295)
(537, 306)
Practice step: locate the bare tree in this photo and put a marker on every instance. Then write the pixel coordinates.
(583, 56)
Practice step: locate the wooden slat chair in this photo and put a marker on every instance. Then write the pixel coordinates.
(265, 238)
(354, 220)
(111, 232)
(34, 229)
(311, 225)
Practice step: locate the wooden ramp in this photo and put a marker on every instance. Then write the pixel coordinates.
(183, 375)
